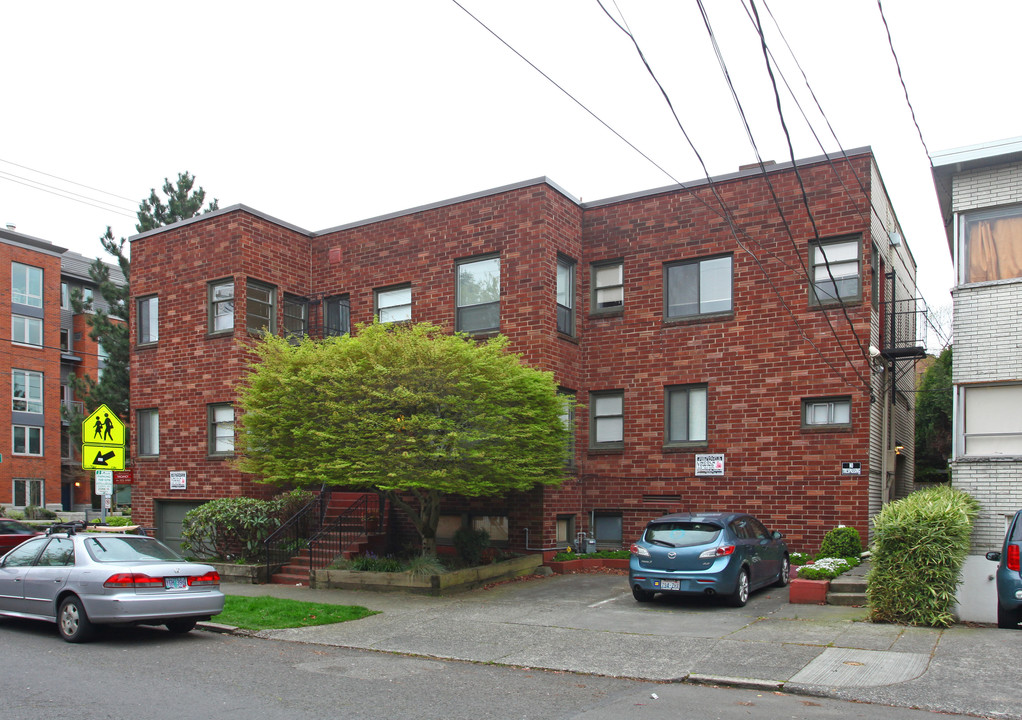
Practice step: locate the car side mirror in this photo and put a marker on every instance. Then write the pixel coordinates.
(776, 535)
(995, 556)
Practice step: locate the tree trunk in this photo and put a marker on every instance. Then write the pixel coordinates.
(424, 514)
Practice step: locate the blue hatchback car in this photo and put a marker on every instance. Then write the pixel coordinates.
(722, 554)
(1009, 576)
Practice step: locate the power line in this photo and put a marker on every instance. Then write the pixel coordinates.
(67, 197)
(57, 177)
(60, 190)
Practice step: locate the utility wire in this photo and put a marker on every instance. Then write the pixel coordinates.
(773, 194)
(60, 190)
(57, 177)
(67, 197)
(912, 291)
(727, 214)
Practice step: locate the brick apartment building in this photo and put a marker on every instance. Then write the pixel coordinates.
(709, 371)
(47, 342)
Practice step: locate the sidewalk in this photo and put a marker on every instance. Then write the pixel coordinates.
(589, 623)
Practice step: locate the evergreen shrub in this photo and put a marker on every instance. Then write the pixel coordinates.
(841, 542)
(919, 545)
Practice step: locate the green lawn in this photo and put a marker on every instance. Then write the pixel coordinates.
(269, 613)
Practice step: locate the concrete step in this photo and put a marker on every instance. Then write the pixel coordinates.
(850, 599)
(848, 584)
(282, 578)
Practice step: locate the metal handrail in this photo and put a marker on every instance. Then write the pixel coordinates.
(284, 542)
(359, 519)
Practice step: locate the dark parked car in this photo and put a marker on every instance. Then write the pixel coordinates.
(79, 580)
(1009, 576)
(725, 554)
(13, 533)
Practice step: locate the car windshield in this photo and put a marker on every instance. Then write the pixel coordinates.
(682, 534)
(129, 549)
(10, 527)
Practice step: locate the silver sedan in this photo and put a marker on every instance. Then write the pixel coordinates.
(82, 579)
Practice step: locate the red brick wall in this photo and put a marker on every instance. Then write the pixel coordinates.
(45, 360)
(755, 362)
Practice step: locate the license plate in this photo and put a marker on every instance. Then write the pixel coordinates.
(670, 584)
(175, 583)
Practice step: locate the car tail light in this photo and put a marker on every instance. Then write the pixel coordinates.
(637, 549)
(210, 578)
(719, 551)
(132, 580)
(1012, 562)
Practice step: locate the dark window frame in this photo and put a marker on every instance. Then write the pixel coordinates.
(596, 288)
(686, 389)
(146, 334)
(842, 297)
(212, 427)
(378, 308)
(459, 308)
(270, 305)
(213, 304)
(809, 402)
(699, 300)
(594, 419)
(566, 315)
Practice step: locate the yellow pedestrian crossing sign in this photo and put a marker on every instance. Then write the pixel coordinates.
(103, 441)
(102, 457)
(103, 427)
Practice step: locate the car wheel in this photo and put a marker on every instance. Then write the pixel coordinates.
(181, 626)
(785, 575)
(741, 594)
(1008, 618)
(642, 595)
(73, 623)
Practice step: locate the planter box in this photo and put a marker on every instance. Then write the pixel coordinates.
(616, 563)
(562, 567)
(808, 592)
(231, 572)
(451, 582)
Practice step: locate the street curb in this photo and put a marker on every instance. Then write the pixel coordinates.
(748, 683)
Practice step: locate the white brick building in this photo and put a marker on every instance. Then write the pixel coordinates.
(980, 194)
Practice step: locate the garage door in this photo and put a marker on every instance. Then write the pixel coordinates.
(170, 516)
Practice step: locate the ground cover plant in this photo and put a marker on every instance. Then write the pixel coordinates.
(607, 554)
(269, 613)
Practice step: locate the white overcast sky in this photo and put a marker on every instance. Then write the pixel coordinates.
(323, 113)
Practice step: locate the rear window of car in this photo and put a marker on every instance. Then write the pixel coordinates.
(10, 527)
(124, 549)
(682, 534)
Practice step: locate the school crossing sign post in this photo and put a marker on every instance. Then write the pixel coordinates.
(103, 441)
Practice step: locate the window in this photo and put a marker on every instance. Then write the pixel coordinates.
(495, 525)
(28, 492)
(65, 340)
(606, 419)
(221, 429)
(221, 306)
(26, 285)
(478, 295)
(568, 418)
(87, 296)
(833, 412)
(565, 529)
(148, 432)
(701, 287)
(65, 297)
(26, 330)
(28, 440)
(565, 296)
(260, 309)
(608, 287)
(296, 317)
(685, 415)
(991, 420)
(607, 529)
(148, 319)
(394, 304)
(27, 391)
(991, 245)
(447, 527)
(834, 268)
(338, 316)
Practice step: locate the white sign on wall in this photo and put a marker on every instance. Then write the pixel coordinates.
(710, 464)
(178, 480)
(851, 468)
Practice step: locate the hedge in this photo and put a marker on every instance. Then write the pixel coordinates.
(919, 547)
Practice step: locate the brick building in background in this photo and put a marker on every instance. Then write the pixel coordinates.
(46, 342)
(709, 371)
